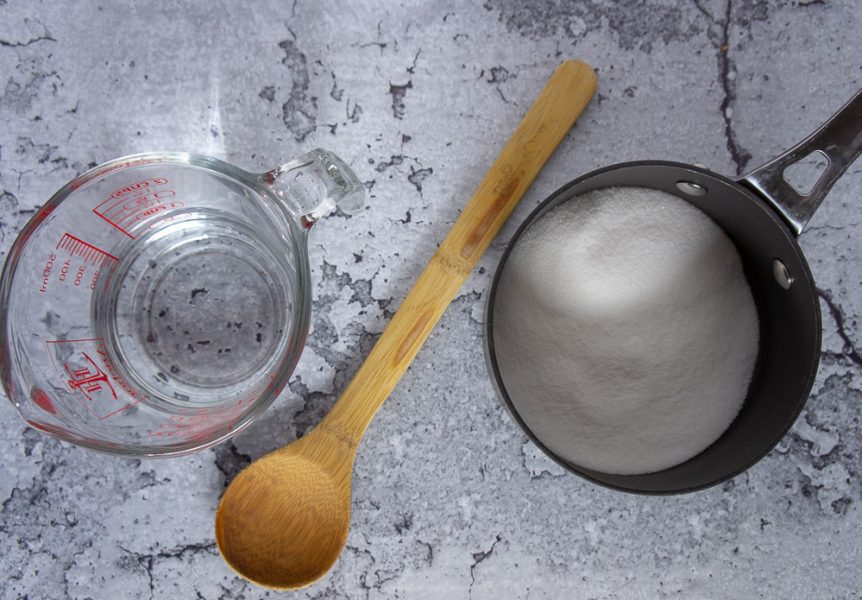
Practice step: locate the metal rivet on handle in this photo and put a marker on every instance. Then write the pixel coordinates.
(691, 188)
(781, 274)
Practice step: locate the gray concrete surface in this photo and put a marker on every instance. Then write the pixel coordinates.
(450, 499)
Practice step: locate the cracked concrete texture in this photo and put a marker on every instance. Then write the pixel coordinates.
(450, 499)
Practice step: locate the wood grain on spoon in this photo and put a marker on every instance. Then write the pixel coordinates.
(284, 520)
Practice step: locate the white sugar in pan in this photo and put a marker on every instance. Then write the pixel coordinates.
(654, 326)
(627, 333)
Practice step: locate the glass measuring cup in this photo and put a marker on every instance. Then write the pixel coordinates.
(159, 302)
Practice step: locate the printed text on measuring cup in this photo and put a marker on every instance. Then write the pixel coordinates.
(75, 262)
(132, 203)
(87, 370)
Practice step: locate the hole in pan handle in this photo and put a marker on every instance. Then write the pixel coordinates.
(839, 139)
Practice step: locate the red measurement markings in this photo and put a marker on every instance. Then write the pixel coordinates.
(68, 271)
(97, 172)
(199, 424)
(135, 202)
(88, 252)
(88, 371)
(89, 378)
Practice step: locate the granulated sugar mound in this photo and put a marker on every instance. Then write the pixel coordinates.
(625, 331)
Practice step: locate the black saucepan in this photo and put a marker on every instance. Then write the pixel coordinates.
(763, 214)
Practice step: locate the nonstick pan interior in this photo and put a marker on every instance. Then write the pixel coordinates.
(789, 321)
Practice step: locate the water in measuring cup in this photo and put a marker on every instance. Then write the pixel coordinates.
(199, 311)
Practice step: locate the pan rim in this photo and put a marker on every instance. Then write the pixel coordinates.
(557, 197)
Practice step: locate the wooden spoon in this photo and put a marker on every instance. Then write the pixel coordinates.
(284, 520)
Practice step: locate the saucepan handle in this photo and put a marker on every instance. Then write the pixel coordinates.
(839, 140)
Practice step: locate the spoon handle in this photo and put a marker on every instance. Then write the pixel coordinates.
(552, 115)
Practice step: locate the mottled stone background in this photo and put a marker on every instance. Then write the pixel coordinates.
(450, 499)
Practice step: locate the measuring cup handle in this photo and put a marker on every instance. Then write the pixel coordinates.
(839, 140)
(315, 184)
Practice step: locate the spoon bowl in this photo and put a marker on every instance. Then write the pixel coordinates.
(283, 523)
